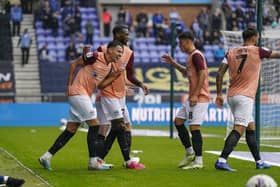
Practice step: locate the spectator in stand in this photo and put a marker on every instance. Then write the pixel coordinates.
(227, 10)
(174, 15)
(216, 37)
(89, 32)
(16, 18)
(181, 26)
(158, 19)
(207, 38)
(239, 16)
(71, 52)
(44, 53)
(25, 42)
(219, 53)
(7, 8)
(121, 13)
(142, 24)
(78, 19)
(198, 33)
(55, 5)
(27, 6)
(217, 20)
(106, 19)
(204, 19)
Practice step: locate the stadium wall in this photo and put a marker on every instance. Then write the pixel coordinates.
(49, 114)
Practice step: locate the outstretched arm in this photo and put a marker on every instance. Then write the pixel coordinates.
(275, 54)
(172, 62)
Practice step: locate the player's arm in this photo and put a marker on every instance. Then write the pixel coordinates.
(275, 54)
(219, 82)
(74, 64)
(109, 79)
(167, 58)
(130, 75)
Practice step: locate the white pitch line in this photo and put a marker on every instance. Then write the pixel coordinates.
(241, 157)
(25, 167)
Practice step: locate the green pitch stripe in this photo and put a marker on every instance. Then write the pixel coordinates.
(11, 166)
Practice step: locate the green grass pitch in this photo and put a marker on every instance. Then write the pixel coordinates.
(160, 155)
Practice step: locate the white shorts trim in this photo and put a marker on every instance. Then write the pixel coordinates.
(194, 115)
(113, 108)
(81, 109)
(242, 109)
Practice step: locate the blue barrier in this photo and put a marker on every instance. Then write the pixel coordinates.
(49, 114)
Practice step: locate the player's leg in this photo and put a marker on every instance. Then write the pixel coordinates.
(254, 148)
(195, 117)
(183, 134)
(114, 113)
(61, 140)
(104, 144)
(14, 182)
(241, 108)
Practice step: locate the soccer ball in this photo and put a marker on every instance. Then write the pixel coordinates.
(261, 180)
(63, 121)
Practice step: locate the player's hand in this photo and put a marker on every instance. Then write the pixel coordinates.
(145, 89)
(193, 100)
(219, 101)
(115, 73)
(168, 59)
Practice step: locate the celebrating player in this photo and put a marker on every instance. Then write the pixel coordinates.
(113, 109)
(195, 108)
(80, 91)
(244, 64)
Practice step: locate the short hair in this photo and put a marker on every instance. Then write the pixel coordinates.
(114, 43)
(119, 29)
(248, 33)
(186, 35)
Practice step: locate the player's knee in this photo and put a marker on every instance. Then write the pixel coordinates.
(179, 121)
(72, 127)
(118, 124)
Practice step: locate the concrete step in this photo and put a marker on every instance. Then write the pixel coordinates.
(28, 92)
(28, 86)
(26, 74)
(31, 66)
(27, 77)
(27, 83)
(27, 99)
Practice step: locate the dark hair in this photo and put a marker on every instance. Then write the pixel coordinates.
(114, 43)
(119, 29)
(248, 33)
(186, 35)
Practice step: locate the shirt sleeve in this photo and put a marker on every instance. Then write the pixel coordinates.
(198, 62)
(130, 73)
(264, 52)
(90, 58)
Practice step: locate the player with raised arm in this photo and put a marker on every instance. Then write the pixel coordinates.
(244, 65)
(195, 108)
(112, 99)
(80, 89)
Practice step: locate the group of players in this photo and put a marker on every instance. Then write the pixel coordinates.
(110, 70)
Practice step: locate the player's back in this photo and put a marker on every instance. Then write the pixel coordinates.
(244, 69)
